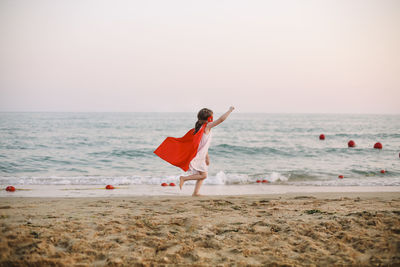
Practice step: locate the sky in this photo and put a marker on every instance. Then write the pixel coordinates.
(180, 56)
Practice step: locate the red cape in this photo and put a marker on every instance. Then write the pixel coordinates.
(180, 151)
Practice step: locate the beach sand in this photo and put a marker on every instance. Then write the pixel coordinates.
(289, 229)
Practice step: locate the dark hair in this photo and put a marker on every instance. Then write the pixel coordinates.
(202, 117)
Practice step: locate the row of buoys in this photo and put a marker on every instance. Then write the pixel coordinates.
(351, 143)
(165, 184)
(262, 181)
(11, 188)
(341, 176)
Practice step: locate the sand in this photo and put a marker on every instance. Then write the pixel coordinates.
(290, 229)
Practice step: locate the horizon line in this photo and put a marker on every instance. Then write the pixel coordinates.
(246, 112)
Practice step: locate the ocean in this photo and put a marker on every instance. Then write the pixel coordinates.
(117, 148)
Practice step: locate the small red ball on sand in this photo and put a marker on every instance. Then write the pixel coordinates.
(258, 181)
(171, 184)
(265, 181)
(10, 188)
(378, 145)
(322, 137)
(164, 184)
(341, 176)
(383, 171)
(351, 143)
(109, 186)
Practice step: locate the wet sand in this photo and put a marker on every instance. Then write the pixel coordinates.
(290, 229)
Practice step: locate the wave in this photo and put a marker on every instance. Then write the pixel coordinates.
(247, 150)
(367, 135)
(123, 153)
(221, 178)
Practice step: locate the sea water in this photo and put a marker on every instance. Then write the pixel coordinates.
(117, 148)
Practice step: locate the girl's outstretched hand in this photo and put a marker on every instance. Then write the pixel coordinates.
(220, 119)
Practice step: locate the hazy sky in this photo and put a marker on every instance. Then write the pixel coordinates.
(260, 56)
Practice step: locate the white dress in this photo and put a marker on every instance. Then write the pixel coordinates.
(198, 163)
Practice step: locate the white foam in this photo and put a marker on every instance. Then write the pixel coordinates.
(276, 177)
(222, 179)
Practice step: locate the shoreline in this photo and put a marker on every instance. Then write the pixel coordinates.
(92, 191)
(277, 196)
(348, 228)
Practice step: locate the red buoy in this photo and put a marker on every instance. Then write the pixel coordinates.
(10, 188)
(264, 181)
(171, 184)
(351, 143)
(109, 186)
(341, 176)
(383, 171)
(258, 181)
(378, 145)
(164, 184)
(322, 137)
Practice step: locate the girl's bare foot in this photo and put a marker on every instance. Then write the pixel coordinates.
(181, 181)
(196, 195)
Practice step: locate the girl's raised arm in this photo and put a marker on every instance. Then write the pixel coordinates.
(220, 119)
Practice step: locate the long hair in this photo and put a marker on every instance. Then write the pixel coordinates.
(202, 117)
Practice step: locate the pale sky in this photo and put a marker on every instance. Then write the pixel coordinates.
(260, 56)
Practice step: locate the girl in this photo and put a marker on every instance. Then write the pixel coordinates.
(191, 151)
(199, 164)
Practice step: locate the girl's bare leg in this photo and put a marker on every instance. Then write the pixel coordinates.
(200, 176)
(197, 188)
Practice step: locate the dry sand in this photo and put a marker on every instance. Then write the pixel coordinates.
(291, 229)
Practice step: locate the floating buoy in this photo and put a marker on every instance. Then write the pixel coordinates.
(378, 145)
(164, 184)
(258, 181)
(322, 137)
(351, 143)
(341, 176)
(383, 171)
(10, 188)
(171, 184)
(264, 181)
(109, 186)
